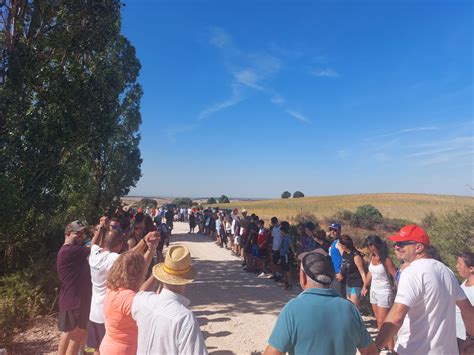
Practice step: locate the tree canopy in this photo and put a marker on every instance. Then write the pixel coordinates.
(286, 194)
(298, 194)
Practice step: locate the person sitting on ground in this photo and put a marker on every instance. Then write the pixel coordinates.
(426, 296)
(465, 267)
(381, 280)
(165, 324)
(75, 289)
(352, 269)
(318, 321)
(102, 257)
(285, 254)
(123, 281)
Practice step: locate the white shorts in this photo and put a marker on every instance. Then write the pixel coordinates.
(237, 239)
(382, 299)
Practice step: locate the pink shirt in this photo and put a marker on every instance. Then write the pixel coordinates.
(121, 332)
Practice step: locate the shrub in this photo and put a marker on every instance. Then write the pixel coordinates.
(343, 215)
(147, 202)
(224, 199)
(394, 224)
(286, 194)
(428, 220)
(305, 217)
(182, 202)
(211, 201)
(298, 194)
(366, 216)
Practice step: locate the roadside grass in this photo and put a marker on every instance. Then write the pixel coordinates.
(412, 207)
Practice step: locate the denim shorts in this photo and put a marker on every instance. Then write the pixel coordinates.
(353, 291)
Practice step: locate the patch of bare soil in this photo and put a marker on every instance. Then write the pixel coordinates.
(41, 337)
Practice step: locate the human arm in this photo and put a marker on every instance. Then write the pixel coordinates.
(151, 239)
(360, 266)
(151, 284)
(368, 281)
(391, 324)
(270, 350)
(140, 247)
(467, 314)
(390, 267)
(100, 231)
(369, 350)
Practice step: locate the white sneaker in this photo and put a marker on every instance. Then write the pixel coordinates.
(261, 275)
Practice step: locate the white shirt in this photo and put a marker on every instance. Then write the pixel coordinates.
(430, 289)
(100, 262)
(166, 325)
(460, 328)
(276, 234)
(380, 281)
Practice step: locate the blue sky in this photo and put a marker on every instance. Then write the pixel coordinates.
(252, 98)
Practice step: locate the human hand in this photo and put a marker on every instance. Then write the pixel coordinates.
(152, 239)
(364, 291)
(339, 277)
(104, 220)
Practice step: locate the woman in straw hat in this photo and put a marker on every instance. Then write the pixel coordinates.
(124, 280)
(165, 324)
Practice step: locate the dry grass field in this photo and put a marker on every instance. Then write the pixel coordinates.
(407, 206)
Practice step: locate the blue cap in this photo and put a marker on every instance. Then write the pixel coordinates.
(335, 226)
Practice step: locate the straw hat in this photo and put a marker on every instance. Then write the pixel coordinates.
(177, 269)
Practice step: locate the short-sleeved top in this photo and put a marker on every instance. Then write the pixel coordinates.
(262, 237)
(349, 269)
(100, 262)
(285, 245)
(74, 277)
(276, 238)
(460, 327)
(430, 289)
(299, 327)
(336, 256)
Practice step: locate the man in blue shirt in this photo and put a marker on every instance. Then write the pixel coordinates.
(318, 321)
(335, 251)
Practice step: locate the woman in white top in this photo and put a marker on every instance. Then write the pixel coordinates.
(380, 279)
(465, 267)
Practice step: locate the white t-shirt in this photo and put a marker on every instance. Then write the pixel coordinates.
(430, 289)
(166, 325)
(276, 234)
(460, 328)
(100, 263)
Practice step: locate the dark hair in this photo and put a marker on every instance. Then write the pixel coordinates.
(379, 244)
(262, 222)
(274, 220)
(321, 234)
(432, 252)
(468, 257)
(149, 226)
(347, 241)
(285, 226)
(139, 217)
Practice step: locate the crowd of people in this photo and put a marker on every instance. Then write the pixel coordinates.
(119, 295)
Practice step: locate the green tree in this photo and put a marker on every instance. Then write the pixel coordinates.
(286, 194)
(182, 202)
(211, 201)
(224, 199)
(298, 194)
(366, 216)
(147, 202)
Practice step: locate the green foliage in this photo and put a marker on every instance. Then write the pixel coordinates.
(211, 201)
(343, 215)
(366, 216)
(286, 194)
(452, 234)
(394, 224)
(224, 199)
(429, 220)
(182, 202)
(298, 194)
(147, 202)
(305, 217)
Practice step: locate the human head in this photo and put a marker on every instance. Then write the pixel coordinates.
(274, 221)
(115, 224)
(347, 243)
(127, 272)
(113, 240)
(465, 264)
(284, 227)
(75, 232)
(261, 223)
(335, 230)
(309, 228)
(176, 268)
(137, 230)
(300, 229)
(316, 269)
(376, 246)
(244, 212)
(411, 242)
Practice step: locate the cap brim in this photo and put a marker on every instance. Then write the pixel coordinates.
(397, 238)
(166, 278)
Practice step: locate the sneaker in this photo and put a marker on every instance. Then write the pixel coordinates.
(262, 275)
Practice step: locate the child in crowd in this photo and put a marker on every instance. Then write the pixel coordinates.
(285, 254)
(262, 247)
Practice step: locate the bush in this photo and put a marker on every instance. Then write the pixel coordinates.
(286, 194)
(147, 202)
(305, 217)
(182, 202)
(394, 224)
(211, 201)
(343, 215)
(298, 194)
(452, 234)
(366, 216)
(428, 220)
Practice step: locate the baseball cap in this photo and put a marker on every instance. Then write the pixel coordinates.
(335, 226)
(310, 226)
(317, 265)
(75, 226)
(413, 233)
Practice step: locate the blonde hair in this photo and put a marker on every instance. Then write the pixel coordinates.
(127, 272)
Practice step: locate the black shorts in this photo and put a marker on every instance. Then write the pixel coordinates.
(95, 334)
(72, 319)
(285, 263)
(275, 256)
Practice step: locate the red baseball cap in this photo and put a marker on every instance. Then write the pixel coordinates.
(411, 233)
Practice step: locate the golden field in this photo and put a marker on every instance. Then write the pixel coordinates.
(412, 207)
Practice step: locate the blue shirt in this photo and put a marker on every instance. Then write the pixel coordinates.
(318, 321)
(336, 257)
(285, 245)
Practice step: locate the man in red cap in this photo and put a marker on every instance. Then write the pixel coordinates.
(424, 308)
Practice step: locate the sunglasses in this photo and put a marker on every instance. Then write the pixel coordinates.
(402, 245)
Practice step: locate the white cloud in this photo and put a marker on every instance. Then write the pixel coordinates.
(231, 101)
(326, 73)
(219, 37)
(277, 99)
(409, 130)
(249, 78)
(299, 116)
